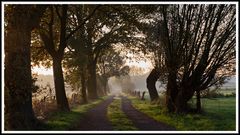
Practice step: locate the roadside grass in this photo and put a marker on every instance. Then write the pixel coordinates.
(222, 111)
(117, 117)
(219, 115)
(68, 120)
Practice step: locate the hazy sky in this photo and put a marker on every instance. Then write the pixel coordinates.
(141, 64)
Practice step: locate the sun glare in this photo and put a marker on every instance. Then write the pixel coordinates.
(140, 64)
(146, 65)
(42, 70)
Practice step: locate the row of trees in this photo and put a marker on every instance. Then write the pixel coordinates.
(193, 48)
(88, 31)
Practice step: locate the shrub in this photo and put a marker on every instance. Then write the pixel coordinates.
(211, 94)
(44, 108)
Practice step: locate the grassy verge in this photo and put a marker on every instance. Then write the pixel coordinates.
(68, 120)
(117, 118)
(219, 115)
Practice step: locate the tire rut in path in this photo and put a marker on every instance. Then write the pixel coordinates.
(141, 120)
(96, 118)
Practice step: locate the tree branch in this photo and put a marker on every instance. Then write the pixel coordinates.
(63, 22)
(80, 25)
(57, 11)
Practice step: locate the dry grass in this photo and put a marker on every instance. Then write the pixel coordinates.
(43, 109)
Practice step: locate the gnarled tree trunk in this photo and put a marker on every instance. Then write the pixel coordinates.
(151, 81)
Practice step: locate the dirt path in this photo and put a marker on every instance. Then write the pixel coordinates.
(141, 120)
(96, 118)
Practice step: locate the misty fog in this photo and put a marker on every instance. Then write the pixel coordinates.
(117, 84)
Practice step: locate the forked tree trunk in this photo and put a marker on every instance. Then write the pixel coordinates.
(151, 81)
(57, 56)
(62, 101)
(19, 114)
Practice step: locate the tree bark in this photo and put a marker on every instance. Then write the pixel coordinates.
(92, 82)
(184, 95)
(100, 87)
(18, 84)
(181, 102)
(105, 86)
(151, 81)
(84, 93)
(199, 108)
(57, 55)
(19, 114)
(172, 91)
(62, 101)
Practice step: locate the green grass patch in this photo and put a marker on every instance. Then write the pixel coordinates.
(117, 117)
(68, 120)
(219, 115)
(227, 91)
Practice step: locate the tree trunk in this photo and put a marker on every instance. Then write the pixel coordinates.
(180, 102)
(143, 94)
(19, 114)
(172, 91)
(105, 86)
(92, 82)
(84, 94)
(151, 80)
(62, 101)
(184, 95)
(18, 80)
(100, 89)
(108, 89)
(199, 109)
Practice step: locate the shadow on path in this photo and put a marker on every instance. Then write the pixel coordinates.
(141, 120)
(96, 118)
